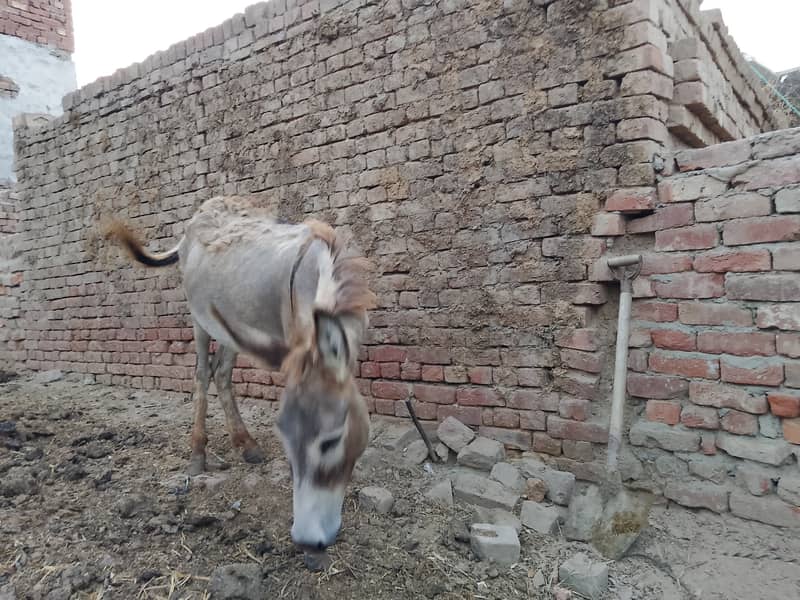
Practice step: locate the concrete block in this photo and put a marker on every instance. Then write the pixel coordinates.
(584, 575)
(541, 517)
(497, 543)
(454, 434)
(508, 475)
(482, 491)
(482, 453)
(376, 499)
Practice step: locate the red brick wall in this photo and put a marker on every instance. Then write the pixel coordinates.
(47, 22)
(715, 348)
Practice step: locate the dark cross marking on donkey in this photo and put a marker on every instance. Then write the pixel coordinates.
(287, 296)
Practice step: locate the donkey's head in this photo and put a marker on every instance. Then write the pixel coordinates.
(324, 426)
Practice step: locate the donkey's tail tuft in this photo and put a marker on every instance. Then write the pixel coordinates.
(120, 233)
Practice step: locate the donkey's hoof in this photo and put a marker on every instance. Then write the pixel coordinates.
(197, 464)
(253, 455)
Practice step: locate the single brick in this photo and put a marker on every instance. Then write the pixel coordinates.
(390, 390)
(469, 415)
(782, 316)
(788, 344)
(664, 217)
(758, 230)
(733, 206)
(786, 257)
(478, 396)
(692, 187)
(751, 371)
(590, 362)
(387, 353)
(718, 155)
(544, 443)
(698, 495)
(687, 366)
(700, 417)
(432, 373)
(436, 394)
(655, 311)
(660, 263)
(533, 420)
(480, 375)
(726, 396)
(658, 387)
(576, 430)
(576, 409)
(791, 430)
(706, 313)
(578, 339)
(631, 200)
(662, 411)
(738, 344)
(787, 200)
(608, 224)
(694, 237)
(674, 339)
(724, 261)
(739, 423)
(771, 287)
(784, 405)
(690, 285)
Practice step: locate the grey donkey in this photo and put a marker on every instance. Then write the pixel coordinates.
(287, 296)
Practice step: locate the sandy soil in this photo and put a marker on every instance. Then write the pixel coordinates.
(94, 503)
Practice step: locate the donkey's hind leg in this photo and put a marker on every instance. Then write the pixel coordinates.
(197, 461)
(241, 438)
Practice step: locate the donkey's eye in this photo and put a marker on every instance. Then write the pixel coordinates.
(328, 445)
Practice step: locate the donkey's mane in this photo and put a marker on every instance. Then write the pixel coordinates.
(350, 273)
(351, 297)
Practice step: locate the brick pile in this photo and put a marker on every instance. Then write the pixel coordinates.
(46, 22)
(466, 146)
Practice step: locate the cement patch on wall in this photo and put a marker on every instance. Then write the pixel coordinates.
(43, 75)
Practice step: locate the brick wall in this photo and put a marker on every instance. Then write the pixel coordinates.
(10, 276)
(714, 369)
(46, 22)
(467, 147)
(716, 95)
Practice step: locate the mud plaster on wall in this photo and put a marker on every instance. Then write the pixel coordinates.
(43, 75)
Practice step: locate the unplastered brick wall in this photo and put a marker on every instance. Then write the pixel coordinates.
(10, 276)
(714, 369)
(46, 22)
(465, 146)
(716, 95)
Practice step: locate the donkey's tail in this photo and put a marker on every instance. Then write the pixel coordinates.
(120, 233)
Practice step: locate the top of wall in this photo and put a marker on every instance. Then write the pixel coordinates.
(262, 26)
(46, 22)
(266, 26)
(723, 50)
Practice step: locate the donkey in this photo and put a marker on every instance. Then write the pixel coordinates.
(287, 296)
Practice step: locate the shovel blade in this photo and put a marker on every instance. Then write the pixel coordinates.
(625, 514)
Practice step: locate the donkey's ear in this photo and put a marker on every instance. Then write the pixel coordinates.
(332, 344)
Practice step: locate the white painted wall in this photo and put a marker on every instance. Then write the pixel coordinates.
(43, 75)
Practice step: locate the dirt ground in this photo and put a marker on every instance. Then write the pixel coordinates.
(94, 504)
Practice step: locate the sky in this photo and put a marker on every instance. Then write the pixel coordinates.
(110, 34)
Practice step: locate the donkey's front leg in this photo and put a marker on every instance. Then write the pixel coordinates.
(197, 461)
(240, 437)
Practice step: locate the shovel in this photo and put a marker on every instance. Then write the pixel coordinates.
(624, 513)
